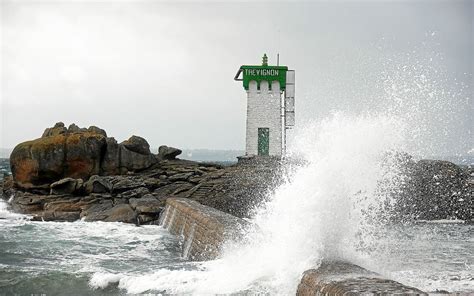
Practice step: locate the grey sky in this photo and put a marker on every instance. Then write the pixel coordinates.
(165, 71)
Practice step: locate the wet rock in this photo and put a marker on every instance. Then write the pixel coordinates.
(66, 205)
(97, 184)
(168, 153)
(121, 213)
(57, 216)
(97, 211)
(146, 219)
(7, 186)
(434, 190)
(147, 204)
(66, 186)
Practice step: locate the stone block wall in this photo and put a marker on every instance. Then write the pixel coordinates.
(203, 229)
(343, 278)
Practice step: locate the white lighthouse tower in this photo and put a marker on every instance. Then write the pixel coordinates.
(270, 107)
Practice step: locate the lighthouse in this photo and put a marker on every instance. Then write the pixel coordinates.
(270, 107)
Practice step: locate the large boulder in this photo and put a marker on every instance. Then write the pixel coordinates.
(133, 161)
(55, 156)
(39, 161)
(433, 190)
(131, 155)
(83, 154)
(77, 153)
(168, 153)
(137, 144)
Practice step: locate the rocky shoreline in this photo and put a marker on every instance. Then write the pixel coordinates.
(76, 173)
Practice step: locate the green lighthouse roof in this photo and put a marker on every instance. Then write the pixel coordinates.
(261, 73)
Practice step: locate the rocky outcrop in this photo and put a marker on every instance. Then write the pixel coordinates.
(81, 173)
(434, 190)
(78, 153)
(168, 153)
(234, 189)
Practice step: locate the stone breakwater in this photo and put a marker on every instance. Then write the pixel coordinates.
(203, 229)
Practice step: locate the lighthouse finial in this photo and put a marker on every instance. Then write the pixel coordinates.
(265, 60)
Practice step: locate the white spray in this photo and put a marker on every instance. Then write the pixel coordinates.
(329, 207)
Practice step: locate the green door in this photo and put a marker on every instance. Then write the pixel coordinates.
(263, 141)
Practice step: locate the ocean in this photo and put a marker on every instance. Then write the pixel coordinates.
(99, 258)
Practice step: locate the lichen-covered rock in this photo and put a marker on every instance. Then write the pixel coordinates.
(83, 154)
(39, 161)
(57, 129)
(76, 153)
(97, 130)
(73, 128)
(49, 159)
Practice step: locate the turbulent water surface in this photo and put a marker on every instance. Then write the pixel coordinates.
(82, 258)
(56, 258)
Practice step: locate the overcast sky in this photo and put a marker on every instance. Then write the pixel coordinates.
(164, 71)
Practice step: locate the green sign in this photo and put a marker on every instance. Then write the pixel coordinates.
(262, 73)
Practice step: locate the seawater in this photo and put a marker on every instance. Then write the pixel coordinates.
(56, 258)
